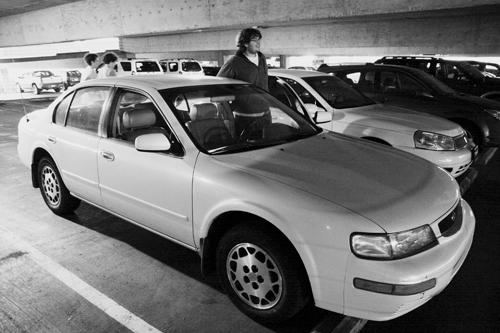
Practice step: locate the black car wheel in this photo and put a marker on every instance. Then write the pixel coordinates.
(261, 274)
(36, 90)
(54, 192)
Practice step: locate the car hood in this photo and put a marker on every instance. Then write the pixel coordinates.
(396, 190)
(401, 120)
(469, 100)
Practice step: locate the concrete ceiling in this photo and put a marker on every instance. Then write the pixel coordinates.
(10, 7)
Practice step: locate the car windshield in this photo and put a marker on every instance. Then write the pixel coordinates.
(438, 86)
(147, 66)
(191, 66)
(233, 117)
(337, 93)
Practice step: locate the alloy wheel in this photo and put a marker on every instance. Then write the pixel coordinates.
(254, 276)
(51, 186)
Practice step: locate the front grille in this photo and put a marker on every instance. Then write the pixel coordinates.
(460, 141)
(451, 223)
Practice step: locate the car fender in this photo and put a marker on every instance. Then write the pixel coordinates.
(271, 217)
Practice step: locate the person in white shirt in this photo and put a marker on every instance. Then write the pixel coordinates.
(92, 61)
(109, 69)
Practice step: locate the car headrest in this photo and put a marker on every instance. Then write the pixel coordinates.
(139, 118)
(203, 111)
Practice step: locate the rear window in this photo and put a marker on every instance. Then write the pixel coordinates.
(127, 67)
(191, 66)
(147, 66)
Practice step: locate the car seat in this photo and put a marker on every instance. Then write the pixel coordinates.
(140, 120)
(207, 127)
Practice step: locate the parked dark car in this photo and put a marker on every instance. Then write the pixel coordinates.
(460, 75)
(415, 89)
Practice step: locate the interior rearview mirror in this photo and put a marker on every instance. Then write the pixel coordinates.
(152, 142)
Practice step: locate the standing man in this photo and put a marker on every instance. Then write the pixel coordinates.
(251, 113)
(248, 64)
(92, 61)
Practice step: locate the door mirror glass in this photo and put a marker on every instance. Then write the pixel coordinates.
(152, 142)
(322, 117)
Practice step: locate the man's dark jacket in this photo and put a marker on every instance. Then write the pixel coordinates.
(240, 68)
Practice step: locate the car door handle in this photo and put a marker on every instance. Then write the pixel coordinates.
(51, 139)
(107, 155)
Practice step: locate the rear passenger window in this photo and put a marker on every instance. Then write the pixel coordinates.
(353, 78)
(61, 109)
(86, 108)
(126, 65)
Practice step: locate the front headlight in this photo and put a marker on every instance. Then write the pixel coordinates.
(494, 113)
(433, 141)
(394, 245)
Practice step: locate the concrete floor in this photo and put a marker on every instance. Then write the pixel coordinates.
(93, 272)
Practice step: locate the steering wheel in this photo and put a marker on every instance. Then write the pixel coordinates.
(254, 128)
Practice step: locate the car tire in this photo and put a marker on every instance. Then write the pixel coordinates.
(19, 89)
(54, 192)
(36, 90)
(262, 274)
(57, 90)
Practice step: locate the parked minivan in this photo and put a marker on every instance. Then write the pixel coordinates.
(182, 66)
(138, 66)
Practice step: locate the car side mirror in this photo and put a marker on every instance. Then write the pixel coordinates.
(318, 114)
(322, 117)
(152, 142)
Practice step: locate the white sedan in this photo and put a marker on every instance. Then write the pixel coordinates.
(284, 212)
(433, 138)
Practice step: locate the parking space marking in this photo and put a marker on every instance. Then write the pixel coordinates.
(100, 300)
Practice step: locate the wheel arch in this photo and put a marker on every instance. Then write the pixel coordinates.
(38, 153)
(224, 222)
(480, 126)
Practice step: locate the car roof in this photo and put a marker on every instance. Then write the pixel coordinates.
(295, 72)
(161, 81)
(341, 68)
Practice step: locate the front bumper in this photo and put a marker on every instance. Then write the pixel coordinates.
(456, 162)
(441, 263)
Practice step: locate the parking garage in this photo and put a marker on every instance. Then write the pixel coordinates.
(94, 271)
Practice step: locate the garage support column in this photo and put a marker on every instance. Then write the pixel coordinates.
(283, 61)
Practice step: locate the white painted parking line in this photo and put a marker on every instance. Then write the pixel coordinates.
(94, 296)
(347, 325)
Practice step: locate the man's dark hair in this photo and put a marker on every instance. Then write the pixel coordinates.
(109, 58)
(89, 58)
(244, 37)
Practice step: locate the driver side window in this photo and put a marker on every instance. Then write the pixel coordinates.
(135, 114)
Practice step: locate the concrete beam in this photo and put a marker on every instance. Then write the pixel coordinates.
(473, 33)
(114, 18)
